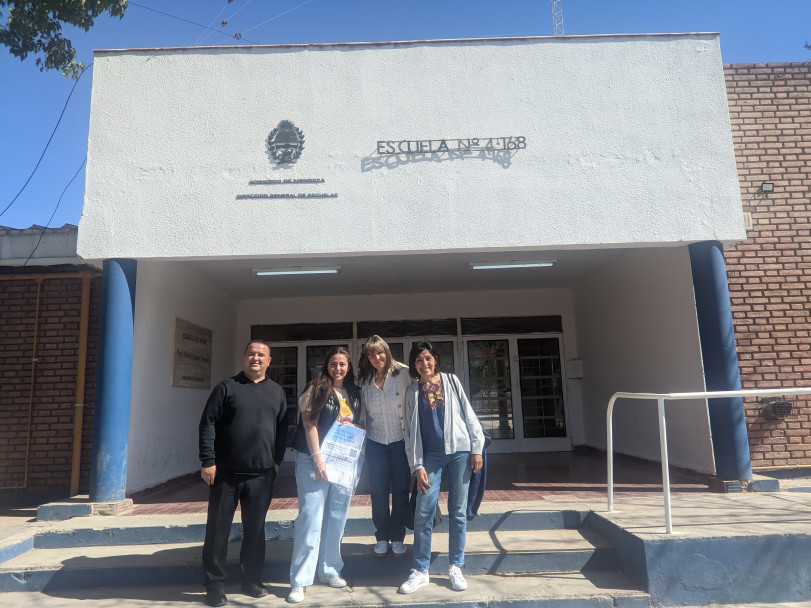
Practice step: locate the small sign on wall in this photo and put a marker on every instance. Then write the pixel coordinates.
(191, 355)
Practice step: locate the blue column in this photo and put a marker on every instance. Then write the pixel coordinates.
(717, 334)
(111, 416)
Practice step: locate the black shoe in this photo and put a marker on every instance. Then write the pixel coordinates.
(254, 589)
(216, 597)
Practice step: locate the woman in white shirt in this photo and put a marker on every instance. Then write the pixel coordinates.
(383, 390)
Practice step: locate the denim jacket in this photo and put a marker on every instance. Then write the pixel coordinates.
(463, 432)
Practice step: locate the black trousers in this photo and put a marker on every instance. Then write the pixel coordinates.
(253, 493)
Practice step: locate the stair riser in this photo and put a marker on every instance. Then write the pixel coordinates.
(356, 568)
(274, 530)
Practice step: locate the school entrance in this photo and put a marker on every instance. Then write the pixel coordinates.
(510, 367)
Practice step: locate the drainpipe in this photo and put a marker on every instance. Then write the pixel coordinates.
(81, 367)
(39, 277)
(30, 395)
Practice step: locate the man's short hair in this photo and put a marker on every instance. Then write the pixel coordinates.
(248, 345)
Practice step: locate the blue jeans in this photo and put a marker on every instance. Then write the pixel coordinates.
(456, 468)
(388, 470)
(319, 526)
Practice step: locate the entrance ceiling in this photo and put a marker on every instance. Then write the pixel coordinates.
(387, 274)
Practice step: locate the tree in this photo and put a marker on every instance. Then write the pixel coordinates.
(35, 27)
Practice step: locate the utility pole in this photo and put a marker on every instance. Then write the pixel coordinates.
(557, 18)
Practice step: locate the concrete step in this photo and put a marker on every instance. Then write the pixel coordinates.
(494, 552)
(558, 590)
(96, 531)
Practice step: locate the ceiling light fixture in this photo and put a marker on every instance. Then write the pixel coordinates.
(511, 264)
(266, 272)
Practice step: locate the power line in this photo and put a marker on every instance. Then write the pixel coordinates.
(237, 36)
(279, 15)
(204, 35)
(225, 21)
(276, 17)
(41, 156)
(42, 232)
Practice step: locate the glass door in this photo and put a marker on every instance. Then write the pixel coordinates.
(283, 370)
(315, 355)
(541, 385)
(516, 388)
(490, 386)
(445, 349)
(398, 351)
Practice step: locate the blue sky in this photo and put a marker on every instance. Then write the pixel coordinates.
(31, 101)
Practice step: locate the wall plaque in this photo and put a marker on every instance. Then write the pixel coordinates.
(191, 355)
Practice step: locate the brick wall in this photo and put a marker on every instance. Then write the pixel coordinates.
(54, 387)
(770, 273)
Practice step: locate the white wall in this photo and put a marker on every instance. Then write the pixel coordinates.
(638, 332)
(628, 142)
(504, 303)
(163, 419)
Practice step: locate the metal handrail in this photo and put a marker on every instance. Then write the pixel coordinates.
(660, 398)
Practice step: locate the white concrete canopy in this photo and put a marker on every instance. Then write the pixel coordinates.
(627, 143)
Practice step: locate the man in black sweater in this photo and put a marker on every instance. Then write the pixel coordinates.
(243, 434)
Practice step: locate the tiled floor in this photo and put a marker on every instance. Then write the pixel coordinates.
(510, 477)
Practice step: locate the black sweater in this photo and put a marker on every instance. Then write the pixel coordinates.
(243, 428)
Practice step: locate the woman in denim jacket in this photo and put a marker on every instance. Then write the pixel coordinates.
(443, 438)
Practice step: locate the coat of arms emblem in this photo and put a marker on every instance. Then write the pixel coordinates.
(285, 143)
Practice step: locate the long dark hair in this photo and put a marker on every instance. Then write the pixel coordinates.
(322, 384)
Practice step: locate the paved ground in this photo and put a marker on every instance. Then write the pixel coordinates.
(482, 589)
(510, 477)
(176, 597)
(638, 506)
(716, 514)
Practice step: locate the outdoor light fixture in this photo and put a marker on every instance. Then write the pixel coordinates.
(511, 264)
(266, 272)
(766, 187)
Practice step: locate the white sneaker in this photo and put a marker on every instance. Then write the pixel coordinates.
(336, 582)
(458, 581)
(398, 548)
(296, 595)
(415, 580)
(381, 548)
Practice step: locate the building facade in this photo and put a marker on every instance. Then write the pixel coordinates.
(550, 211)
(770, 271)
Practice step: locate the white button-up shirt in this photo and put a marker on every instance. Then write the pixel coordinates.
(382, 415)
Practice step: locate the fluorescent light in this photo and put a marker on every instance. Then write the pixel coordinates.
(511, 264)
(265, 272)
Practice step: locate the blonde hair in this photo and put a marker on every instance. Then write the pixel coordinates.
(366, 371)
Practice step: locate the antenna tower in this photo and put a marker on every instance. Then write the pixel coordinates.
(557, 18)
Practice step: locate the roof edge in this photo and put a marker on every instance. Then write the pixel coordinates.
(392, 43)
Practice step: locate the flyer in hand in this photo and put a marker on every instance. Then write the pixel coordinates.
(341, 450)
